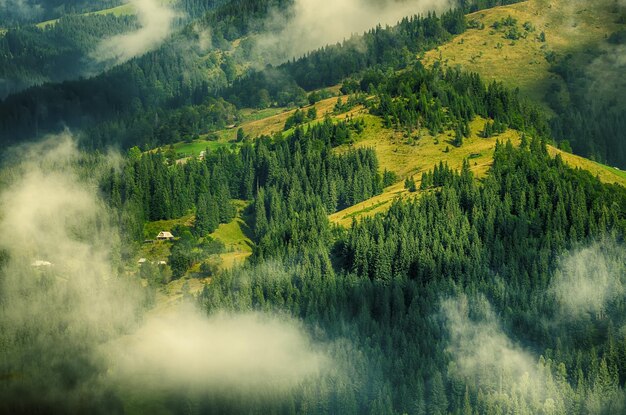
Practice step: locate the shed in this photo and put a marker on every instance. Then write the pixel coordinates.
(165, 236)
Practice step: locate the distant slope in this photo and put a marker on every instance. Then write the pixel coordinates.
(255, 123)
(568, 26)
(122, 10)
(566, 55)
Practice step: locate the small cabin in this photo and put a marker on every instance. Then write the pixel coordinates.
(165, 236)
(161, 263)
(142, 261)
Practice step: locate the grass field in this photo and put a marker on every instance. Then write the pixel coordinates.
(152, 229)
(605, 173)
(410, 160)
(197, 146)
(236, 236)
(122, 10)
(396, 154)
(255, 123)
(569, 26)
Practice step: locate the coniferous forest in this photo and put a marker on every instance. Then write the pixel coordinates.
(199, 230)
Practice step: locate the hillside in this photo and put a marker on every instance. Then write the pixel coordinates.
(348, 232)
(410, 160)
(395, 153)
(562, 54)
(524, 62)
(122, 10)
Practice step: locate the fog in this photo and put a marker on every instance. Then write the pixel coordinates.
(315, 23)
(587, 280)
(22, 9)
(156, 21)
(479, 347)
(483, 353)
(184, 349)
(75, 335)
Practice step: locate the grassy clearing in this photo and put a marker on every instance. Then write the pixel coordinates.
(396, 154)
(256, 123)
(236, 237)
(569, 27)
(152, 229)
(410, 160)
(276, 122)
(605, 173)
(197, 146)
(160, 250)
(250, 114)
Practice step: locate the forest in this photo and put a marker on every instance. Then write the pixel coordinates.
(150, 86)
(403, 287)
(486, 289)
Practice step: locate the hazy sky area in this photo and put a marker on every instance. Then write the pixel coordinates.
(316, 23)
(156, 21)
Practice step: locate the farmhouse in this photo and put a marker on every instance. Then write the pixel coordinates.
(165, 236)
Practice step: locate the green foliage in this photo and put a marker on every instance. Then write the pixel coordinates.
(30, 55)
(409, 184)
(446, 100)
(593, 120)
(382, 290)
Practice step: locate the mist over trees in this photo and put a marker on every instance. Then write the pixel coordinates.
(498, 295)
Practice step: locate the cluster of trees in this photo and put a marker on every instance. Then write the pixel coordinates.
(158, 127)
(592, 120)
(300, 117)
(297, 174)
(493, 128)
(30, 55)
(25, 12)
(439, 100)
(382, 283)
(390, 47)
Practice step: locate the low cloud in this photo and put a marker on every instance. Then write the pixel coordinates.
(478, 345)
(156, 21)
(315, 23)
(482, 354)
(74, 332)
(588, 280)
(184, 349)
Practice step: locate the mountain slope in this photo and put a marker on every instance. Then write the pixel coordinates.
(525, 62)
(566, 55)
